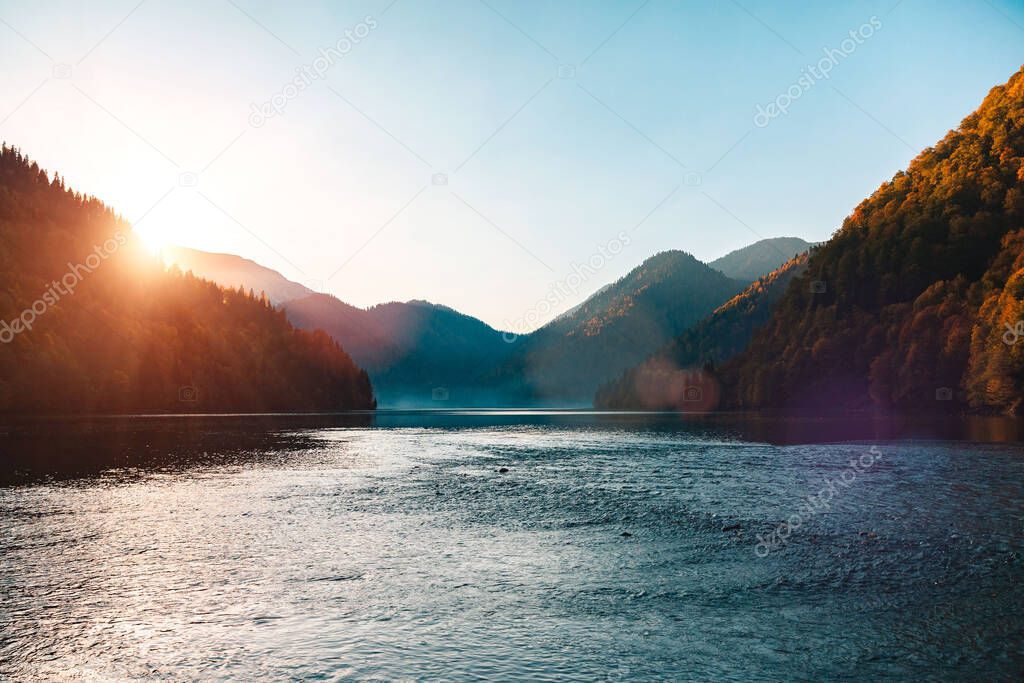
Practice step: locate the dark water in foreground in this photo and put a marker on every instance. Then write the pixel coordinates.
(510, 546)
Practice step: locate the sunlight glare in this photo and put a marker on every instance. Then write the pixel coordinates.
(152, 238)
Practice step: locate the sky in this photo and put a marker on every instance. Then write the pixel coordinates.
(474, 153)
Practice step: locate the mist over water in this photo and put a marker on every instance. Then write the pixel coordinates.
(508, 546)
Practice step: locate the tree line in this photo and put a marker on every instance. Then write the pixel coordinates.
(90, 322)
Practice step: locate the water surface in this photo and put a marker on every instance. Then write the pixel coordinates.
(509, 546)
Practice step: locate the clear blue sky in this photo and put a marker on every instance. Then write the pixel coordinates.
(558, 124)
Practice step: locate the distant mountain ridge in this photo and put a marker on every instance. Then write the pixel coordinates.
(417, 353)
(232, 271)
(422, 354)
(760, 258)
(564, 362)
(660, 381)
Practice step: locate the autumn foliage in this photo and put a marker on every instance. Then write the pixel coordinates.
(131, 336)
(923, 283)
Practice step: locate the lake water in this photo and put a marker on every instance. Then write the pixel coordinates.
(510, 546)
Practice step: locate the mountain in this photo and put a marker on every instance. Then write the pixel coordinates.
(370, 344)
(91, 323)
(915, 304)
(421, 354)
(417, 353)
(760, 258)
(233, 272)
(565, 361)
(660, 382)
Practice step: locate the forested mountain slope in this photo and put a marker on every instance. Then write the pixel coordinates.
(919, 295)
(565, 361)
(659, 383)
(92, 323)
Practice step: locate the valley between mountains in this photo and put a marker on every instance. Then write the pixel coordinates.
(420, 354)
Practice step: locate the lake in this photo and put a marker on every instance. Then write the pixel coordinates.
(510, 545)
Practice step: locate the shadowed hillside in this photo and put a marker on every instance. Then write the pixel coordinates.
(566, 360)
(417, 353)
(660, 382)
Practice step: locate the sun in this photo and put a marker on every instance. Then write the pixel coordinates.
(152, 238)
